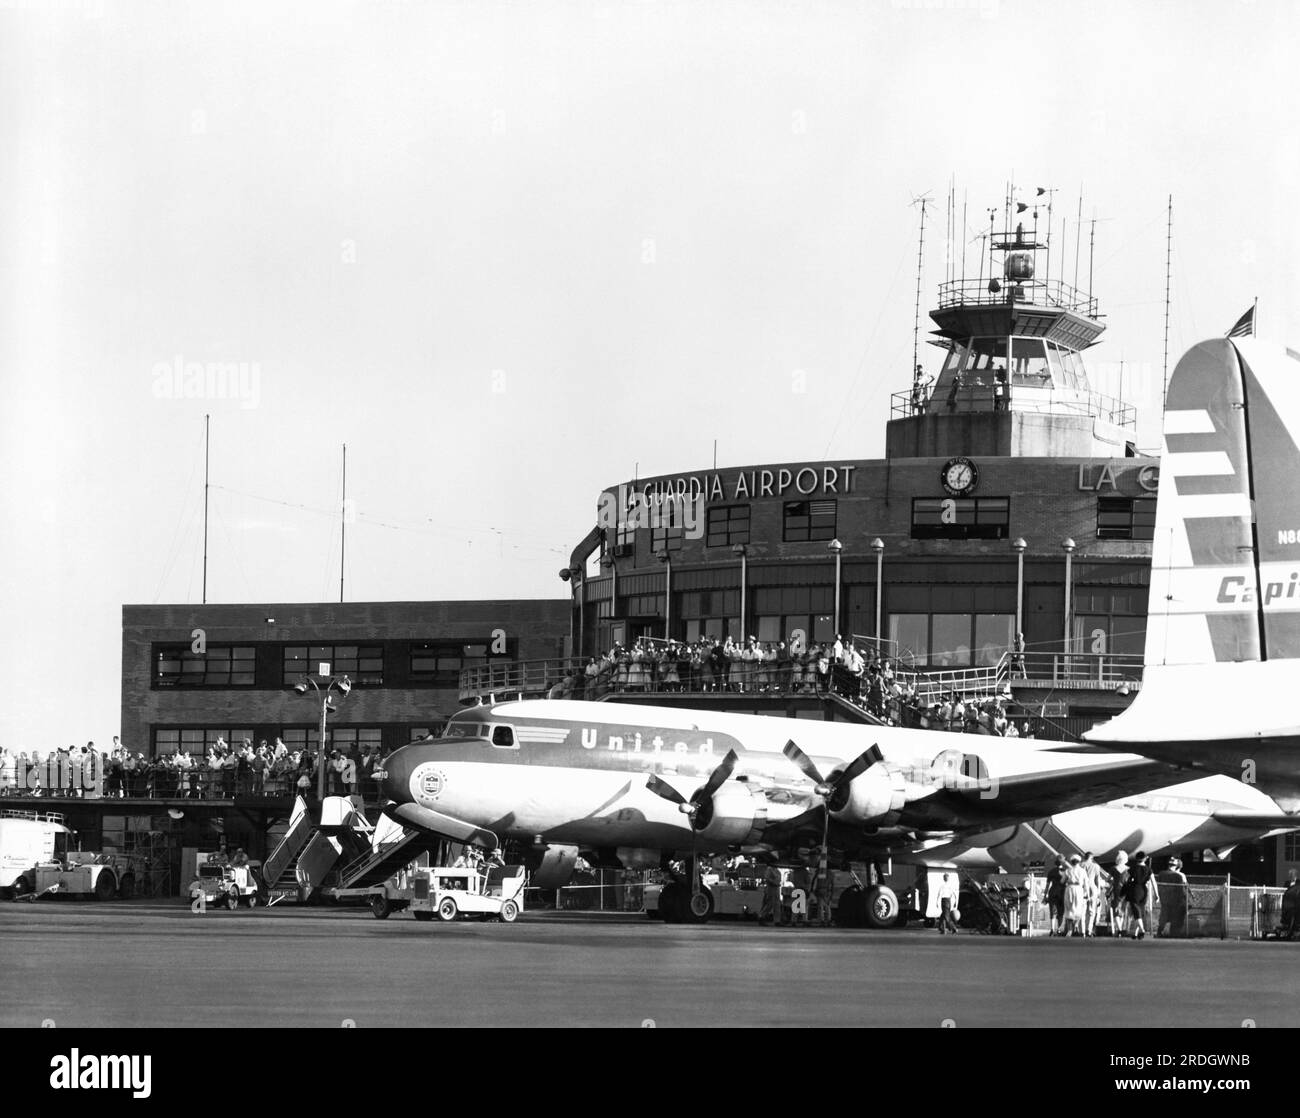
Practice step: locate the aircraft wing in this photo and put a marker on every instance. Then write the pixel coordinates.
(1258, 820)
(1050, 790)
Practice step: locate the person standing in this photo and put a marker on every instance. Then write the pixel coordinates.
(1076, 890)
(770, 911)
(1056, 897)
(1173, 899)
(1118, 890)
(1018, 657)
(1092, 874)
(947, 906)
(1138, 894)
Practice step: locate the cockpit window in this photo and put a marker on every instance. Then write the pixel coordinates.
(466, 730)
(504, 737)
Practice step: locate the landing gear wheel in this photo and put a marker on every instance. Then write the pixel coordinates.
(672, 903)
(699, 907)
(851, 912)
(105, 886)
(379, 906)
(423, 915)
(232, 901)
(126, 887)
(509, 912)
(882, 906)
(447, 910)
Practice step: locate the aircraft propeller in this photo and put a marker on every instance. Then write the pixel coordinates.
(834, 790)
(701, 797)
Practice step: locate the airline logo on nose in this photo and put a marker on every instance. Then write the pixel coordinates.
(429, 781)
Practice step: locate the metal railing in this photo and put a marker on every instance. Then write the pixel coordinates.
(162, 782)
(567, 678)
(1027, 292)
(1025, 394)
(1075, 669)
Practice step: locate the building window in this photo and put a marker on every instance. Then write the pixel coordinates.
(666, 537)
(347, 738)
(222, 665)
(808, 520)
(1126, 518)
(727, 525)
(951, 640)
(197, 740)
(960, 518)
(1291, 850)
(362, 664)
(440, 663)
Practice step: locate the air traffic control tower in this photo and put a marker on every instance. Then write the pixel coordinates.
(1013, 383)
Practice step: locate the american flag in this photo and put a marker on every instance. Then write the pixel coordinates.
(1244, 326)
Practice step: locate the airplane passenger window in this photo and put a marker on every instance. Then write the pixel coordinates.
(503, 736)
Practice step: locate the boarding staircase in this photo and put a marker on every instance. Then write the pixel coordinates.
(379, 865)
(280, 870)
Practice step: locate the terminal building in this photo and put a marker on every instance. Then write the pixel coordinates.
(1011, 498)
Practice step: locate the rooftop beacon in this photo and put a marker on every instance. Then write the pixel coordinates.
(1013, 380)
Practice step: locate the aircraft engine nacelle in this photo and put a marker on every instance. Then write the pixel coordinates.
(554, 866)
(875, 796)
(734, 816)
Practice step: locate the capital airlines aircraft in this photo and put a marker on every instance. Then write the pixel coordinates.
(1221, 682)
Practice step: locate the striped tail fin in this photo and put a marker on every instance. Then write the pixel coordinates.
(1225, 574)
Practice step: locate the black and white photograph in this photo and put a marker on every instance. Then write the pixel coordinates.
(651, 514)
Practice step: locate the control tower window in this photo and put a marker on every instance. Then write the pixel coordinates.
(1029, 364)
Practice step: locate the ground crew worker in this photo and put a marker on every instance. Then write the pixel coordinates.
(947, 906)
(770, 912)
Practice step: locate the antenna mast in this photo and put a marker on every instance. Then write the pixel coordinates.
(916, 321)
(206, 421)
(1169, 267)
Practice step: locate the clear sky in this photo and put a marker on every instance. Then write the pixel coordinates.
(511, 253)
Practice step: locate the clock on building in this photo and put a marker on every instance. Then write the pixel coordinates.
(959, 476)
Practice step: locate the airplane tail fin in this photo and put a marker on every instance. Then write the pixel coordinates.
(1225, 573)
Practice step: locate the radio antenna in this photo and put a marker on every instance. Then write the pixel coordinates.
(1169, 271)
(923, 200)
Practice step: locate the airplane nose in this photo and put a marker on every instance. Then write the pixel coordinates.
(396, 784)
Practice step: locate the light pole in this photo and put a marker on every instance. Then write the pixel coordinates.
(836, 547)
(302, 688)
(1018, 545)
(573, 576)
(741, 550)
(667, 560)
(878, 546)
(1068, 545)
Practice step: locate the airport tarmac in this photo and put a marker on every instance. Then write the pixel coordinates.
(158, 964)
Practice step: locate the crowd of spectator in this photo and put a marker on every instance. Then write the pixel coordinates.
(226, 770)
(753, 666)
